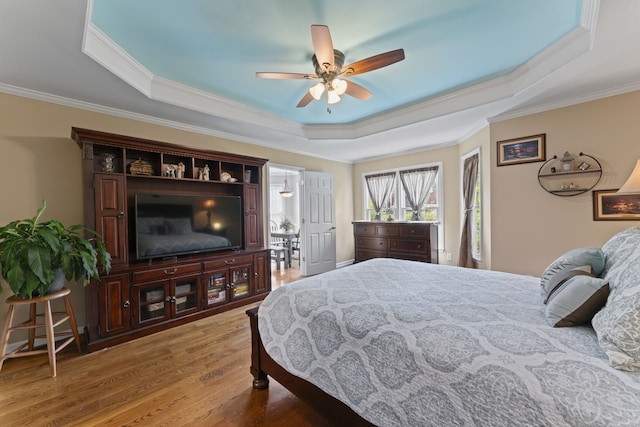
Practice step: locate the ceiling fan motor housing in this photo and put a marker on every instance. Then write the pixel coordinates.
(322, 69)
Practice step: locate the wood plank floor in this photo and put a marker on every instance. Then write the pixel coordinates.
(192, 375)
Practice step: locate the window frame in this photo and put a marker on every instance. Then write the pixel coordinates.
(399, 191)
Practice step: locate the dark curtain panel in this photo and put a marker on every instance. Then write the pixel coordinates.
(469, 182)
(379, 187)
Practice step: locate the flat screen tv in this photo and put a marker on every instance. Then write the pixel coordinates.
(168, 225)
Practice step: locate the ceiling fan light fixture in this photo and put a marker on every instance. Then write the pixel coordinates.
(317, 90)
(339, 85)
(332, 97)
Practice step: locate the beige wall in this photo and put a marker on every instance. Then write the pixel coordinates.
(530, 227)
(39, 160)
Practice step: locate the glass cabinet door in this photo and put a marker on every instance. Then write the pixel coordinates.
(151, 302)
(216, 288)
(240, 285)
(184, 297)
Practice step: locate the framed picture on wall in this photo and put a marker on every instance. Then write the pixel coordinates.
(527, 149)
(611, 206)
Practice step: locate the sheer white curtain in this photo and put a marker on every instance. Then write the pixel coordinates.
(417, 184)
(380, 186)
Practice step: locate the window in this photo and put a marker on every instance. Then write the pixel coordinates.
(396, 189)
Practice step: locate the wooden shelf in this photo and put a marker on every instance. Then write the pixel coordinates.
(586, 179)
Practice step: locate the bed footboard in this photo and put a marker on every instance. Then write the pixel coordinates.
(263, 365)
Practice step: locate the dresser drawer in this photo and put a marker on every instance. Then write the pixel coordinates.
(386, 230)
(409, 256)
(363, 255)
(228, 262)
(364, 230)
(417, 230)
(374, 243)
(165, 273)
(405, 245)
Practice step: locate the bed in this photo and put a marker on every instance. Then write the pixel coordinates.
(391, 342)
(161, 235)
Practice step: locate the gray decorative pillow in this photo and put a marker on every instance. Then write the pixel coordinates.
(178, 225)
(149, 225)
(618, 323)
(576, 299)
(593, 257)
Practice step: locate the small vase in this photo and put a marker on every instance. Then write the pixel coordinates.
(58, 283)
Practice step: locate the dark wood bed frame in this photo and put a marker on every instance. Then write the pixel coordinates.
(262, 366)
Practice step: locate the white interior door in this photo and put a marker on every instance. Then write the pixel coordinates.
(319, 229)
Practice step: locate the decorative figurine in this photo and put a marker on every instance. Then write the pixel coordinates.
(567, 161)
(170, 171)
(205, 173)
(107, 162)
(180, 171)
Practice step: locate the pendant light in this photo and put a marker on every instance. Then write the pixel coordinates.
(286, 192)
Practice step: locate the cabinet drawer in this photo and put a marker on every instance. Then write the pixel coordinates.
(418, 230)
(227, 262)
(386, 230)
(375, 243)
(414, 246)
(364, 230)
(165, 273)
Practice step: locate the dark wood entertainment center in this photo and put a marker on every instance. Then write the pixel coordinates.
(140, 297)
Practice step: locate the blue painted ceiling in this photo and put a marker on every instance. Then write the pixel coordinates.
(218, 46)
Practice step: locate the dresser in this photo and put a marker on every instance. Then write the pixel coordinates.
(416, 241)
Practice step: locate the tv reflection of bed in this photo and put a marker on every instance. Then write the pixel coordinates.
(167, 230)
(391, 342)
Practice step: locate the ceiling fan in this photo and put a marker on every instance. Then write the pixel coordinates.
(328, 63)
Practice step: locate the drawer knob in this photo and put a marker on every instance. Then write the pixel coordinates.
(419, 246)
(173, 271)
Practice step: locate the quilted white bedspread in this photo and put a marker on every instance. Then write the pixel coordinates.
(413, 344)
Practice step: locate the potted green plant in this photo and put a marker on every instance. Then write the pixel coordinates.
(286, 224)
(33, 253)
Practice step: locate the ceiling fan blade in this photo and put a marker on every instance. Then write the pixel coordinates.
(287, 76)
(357, 91)
(373, 62)
(322, 44)
(305, 100)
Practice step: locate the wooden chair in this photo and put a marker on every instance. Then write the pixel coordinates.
(49, 327)
(295, 247)
(279, 254)
(279, 251)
